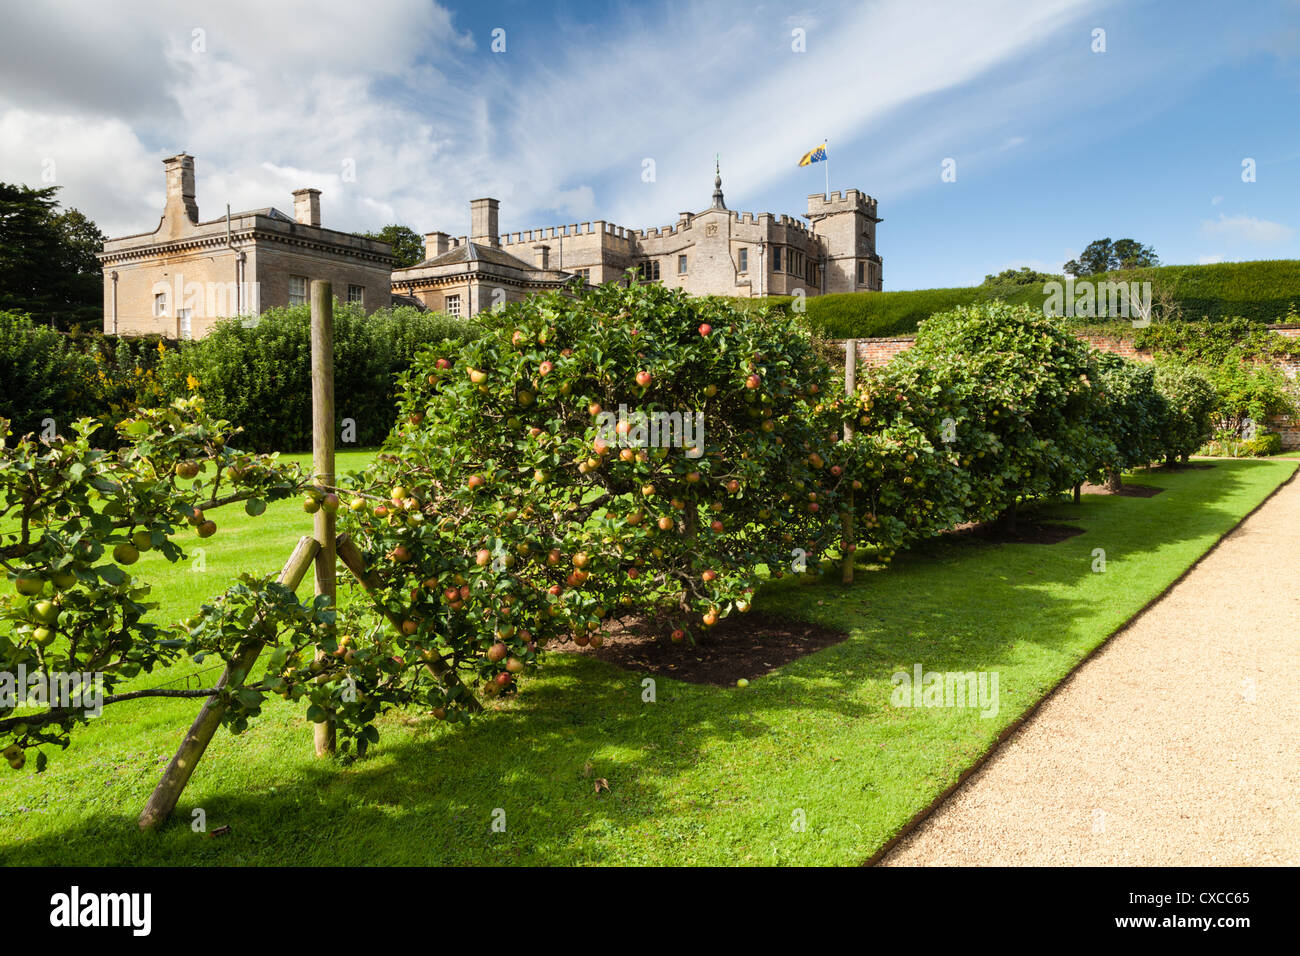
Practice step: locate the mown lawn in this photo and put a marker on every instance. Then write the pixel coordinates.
(702, 775)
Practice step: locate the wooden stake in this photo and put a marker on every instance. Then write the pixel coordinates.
(355, 562)
(177, 775)
(847, 519)
(322, 457)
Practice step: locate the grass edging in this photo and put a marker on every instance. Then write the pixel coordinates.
(1012, 728)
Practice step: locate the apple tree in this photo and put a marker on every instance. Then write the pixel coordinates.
(73, 520)
(622, 451)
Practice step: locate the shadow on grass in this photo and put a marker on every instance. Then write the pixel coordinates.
(701, 758)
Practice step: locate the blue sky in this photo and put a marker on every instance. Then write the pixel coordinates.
(400, 110)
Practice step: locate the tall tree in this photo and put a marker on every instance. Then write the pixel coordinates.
(47, 259)
(1103, 255)
(408, 246)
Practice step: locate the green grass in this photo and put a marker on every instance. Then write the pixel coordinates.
(703, 775)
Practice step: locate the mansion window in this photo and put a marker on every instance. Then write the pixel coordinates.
(357, 294)
(184, 328)
(681, 265)
(585, 274)
(743, 260)
(862, 273)
(648, 271)
(297, 290)
(776, 258)
(452, 305)
(160, 303)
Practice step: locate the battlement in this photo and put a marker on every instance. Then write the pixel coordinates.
(851, 200)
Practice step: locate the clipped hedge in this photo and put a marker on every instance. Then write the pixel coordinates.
(257, 375)
(42, 375)
(1261, 292)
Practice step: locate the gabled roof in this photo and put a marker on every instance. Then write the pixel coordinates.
(473, 252)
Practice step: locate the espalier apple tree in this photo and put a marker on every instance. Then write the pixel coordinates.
(625, 451)
(1022, 398)
(74, 519)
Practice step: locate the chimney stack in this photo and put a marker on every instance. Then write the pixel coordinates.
(435, 244)
(543, 256)
(180, 188)
(483, 222)
(306, 206)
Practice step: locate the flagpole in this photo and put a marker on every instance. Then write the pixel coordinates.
(827, 147)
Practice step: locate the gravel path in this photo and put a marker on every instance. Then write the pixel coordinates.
(1177, 744)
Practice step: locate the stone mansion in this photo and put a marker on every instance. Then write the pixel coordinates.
(186, 274)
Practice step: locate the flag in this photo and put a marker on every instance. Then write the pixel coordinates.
(815, 155)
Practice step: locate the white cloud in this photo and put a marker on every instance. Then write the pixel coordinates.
(1215, 200)
(1208, 260)
(291, 94)
(1243, 228)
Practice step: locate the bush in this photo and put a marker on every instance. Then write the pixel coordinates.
(1228, 444)
(43, 376)
(1022, 398)
(1248, 392)
(257, 375)
(530, 504)
(1191, 400)
(1134, 413)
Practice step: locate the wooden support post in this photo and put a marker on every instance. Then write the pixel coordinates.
(847, 518)
(322, 458)
(177, 775)
(355, 562)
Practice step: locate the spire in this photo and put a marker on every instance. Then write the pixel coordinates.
(717, 184)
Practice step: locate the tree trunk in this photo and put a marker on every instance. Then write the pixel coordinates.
(1114, 482)
(1078, 492)
(1007, 519)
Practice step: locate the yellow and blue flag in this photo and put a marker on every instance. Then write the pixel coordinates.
(814, 155)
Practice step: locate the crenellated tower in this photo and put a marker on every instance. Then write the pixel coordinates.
(846, 224)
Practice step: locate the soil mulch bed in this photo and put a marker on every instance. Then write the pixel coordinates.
(1026, 532)
(1125, 491)
(742, 645)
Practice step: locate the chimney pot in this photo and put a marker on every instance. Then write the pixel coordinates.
(483, 222)
(435, 244)
(306, 206)
(180, 188)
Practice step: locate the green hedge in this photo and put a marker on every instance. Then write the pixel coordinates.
(42, 375)
(258, 375)
(1261, 292)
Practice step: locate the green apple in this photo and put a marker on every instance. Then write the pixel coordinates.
(126, 554)
(29, 586)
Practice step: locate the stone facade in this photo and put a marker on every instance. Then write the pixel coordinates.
(714, 252)
(463, 276)
(180, 278)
